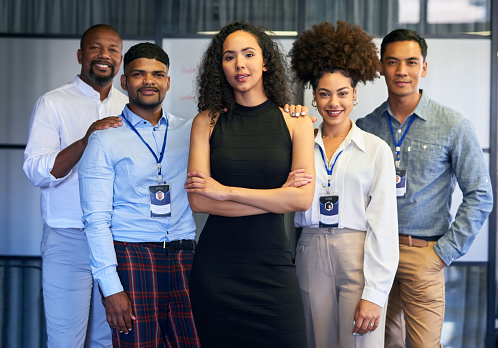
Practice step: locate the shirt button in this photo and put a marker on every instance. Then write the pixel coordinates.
(399, 131)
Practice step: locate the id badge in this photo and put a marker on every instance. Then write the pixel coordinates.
(329, 211)
(400, 183)
(160, 200)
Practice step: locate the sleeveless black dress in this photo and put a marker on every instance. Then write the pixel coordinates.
(243, 286)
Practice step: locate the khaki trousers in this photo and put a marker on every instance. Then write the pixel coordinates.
(416, 299)
(329, 267)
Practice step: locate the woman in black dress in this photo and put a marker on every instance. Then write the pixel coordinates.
(247, 166)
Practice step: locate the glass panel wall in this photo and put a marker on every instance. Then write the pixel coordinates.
(377, 17)
(428, 17)
(73, 17)
(138, 17)
(207, 16)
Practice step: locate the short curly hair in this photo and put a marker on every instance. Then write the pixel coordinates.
(326, 49)
(145, 50)
(214, 93)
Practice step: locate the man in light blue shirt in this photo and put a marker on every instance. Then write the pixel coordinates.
(138, 222)
(434, 148)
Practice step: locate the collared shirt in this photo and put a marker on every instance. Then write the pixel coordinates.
(439, 150)
(363, 177)
(115, 173)
(61, 117)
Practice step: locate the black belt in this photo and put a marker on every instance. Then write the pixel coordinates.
(182, 244)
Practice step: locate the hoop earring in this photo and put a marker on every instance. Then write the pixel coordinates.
(313, 103)
(355, 102)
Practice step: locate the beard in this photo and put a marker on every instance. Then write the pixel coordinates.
(101, 80)
(137, 100)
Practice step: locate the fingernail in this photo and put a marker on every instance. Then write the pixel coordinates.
(286, 110)
(293, 113)
(303, 113)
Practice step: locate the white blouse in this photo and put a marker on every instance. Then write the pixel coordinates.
(364, 179)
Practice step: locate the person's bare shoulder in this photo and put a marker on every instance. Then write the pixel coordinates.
(204, 121)
(297, 124)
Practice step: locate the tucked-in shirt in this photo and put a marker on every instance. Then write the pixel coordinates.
(439, 150)
(115, 174)
(363, 178)
(61, 117)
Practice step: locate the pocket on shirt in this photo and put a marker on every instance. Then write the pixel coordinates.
(424, 159)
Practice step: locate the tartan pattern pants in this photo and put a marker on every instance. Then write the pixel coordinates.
(156, 281)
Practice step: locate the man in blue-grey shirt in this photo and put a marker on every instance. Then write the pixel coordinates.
(138, 222)
(434, 148)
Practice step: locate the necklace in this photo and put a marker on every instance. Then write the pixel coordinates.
(337, 136)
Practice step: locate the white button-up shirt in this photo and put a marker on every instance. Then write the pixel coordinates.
(364, 179)
(61, 117)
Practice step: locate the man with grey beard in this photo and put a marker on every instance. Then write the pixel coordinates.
(61, 122)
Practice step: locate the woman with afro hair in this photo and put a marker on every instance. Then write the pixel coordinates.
(248, 165)
(347, 253)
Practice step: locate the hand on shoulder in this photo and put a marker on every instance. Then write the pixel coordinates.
(298, 111)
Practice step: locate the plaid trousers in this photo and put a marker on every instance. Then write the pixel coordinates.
(156, 281)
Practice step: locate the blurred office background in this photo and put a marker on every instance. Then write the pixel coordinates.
(38, 44)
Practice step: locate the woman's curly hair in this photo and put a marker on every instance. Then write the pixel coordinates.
(214, 93)
(324, 48)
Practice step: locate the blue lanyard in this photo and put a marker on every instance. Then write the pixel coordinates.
(158, 160)
(329, 171)
(398, 144)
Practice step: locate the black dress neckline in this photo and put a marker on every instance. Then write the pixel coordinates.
(254, 110)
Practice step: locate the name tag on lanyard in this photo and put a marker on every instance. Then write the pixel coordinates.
(329, 211)
(160, 194)
(160, 200)
(401, 183)
(329, 204)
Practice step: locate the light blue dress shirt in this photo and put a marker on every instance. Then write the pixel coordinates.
(115, 173)
(440, 150)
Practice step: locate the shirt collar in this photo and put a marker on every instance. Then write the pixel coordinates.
(135, 120)
(89, 91)
(355, 135)
(421, 110)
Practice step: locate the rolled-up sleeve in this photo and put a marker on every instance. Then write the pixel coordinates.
(43, 145)
(472, 176)
(96, 177)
